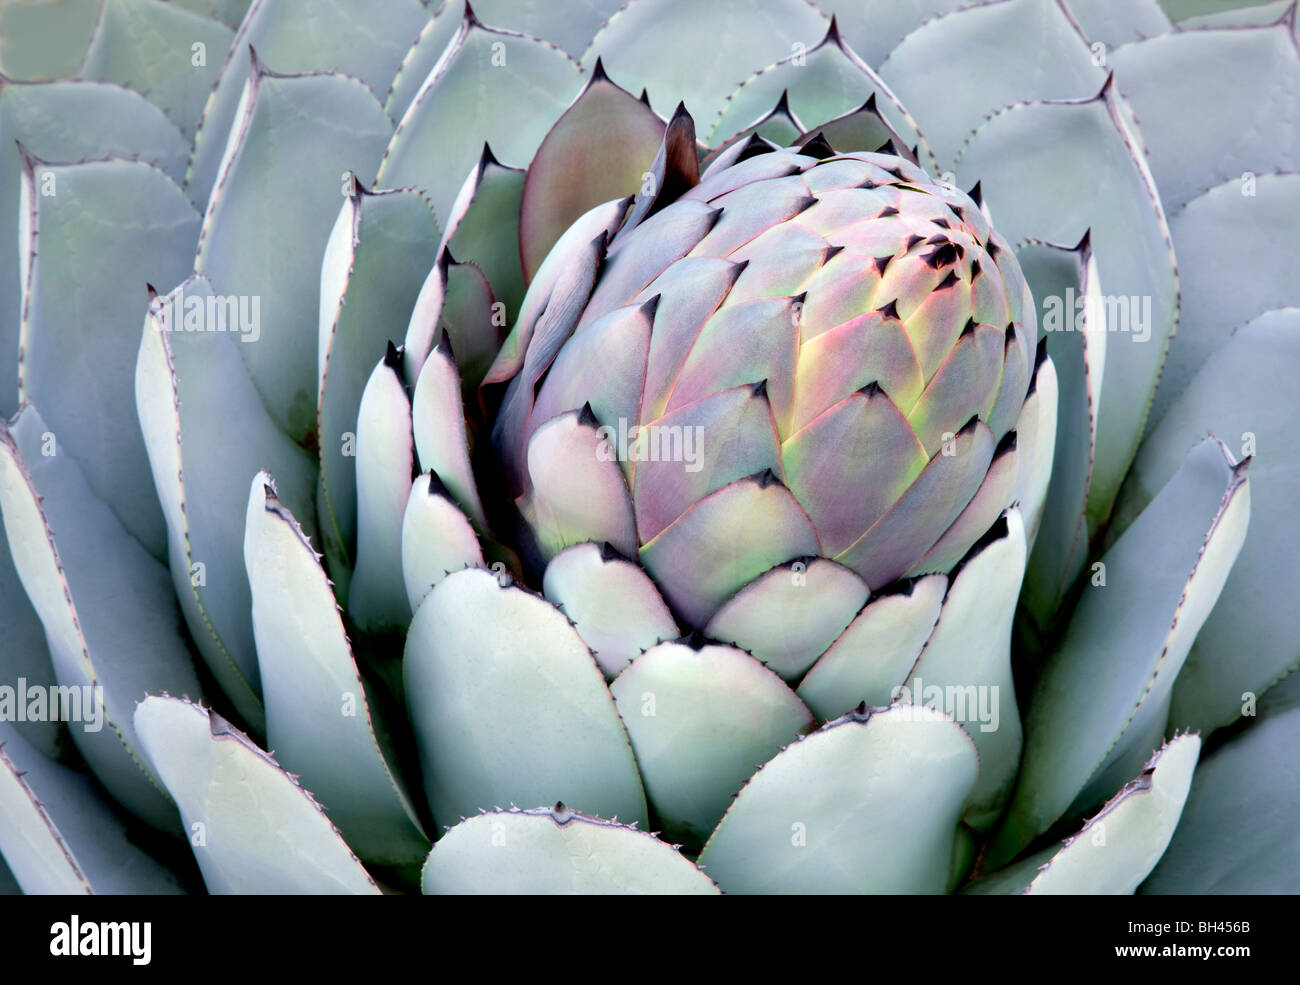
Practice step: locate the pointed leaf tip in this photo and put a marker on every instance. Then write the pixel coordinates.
(818, 147)
(833, 33)
(393, 360)
(587, 417)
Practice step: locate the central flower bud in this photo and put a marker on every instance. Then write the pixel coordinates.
(805, 355)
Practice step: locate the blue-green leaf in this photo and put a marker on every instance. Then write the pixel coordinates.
(679, 50)
(169, 55)
(193, 393)
(1239, 233)
(1076, 339)
(302, 36)
(228, 12)
(955, 70)
(868, 804)
(1118, 846)
(1102, 702)
(319, 719)
(474, 96)
(66, 121)
(1035, 193)
(59, 835)
(45, 40)
(1238, 833)
(378, 254)
(701, 721)
(252, 826)
(554, 851)
(1253, 635)
(82, 570)
(385, 460)
(967, 659)
(510, 708)
(1236, 127)
(282, 180)
(875, 27)
(1116, 22)
(92, 237)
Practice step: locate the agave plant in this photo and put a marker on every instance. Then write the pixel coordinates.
(691, 478)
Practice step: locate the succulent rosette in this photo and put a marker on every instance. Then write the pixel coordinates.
(448, 443)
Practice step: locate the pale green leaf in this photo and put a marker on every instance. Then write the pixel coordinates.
(823, 82)
(681, 50)
(1186, 10)
(193, 394)
(319, 720)
(167, 54)
(1240, 233)
(510, 708)
(1121, 844)
(252, 827)
(877, 651)
(82, 570)
(555, 851)
(957, 69)
(615, 606)
(59, 835)
(92, 237)
(701, 721)
(483, 228)
(66, 121)
(437, 539)
(376, 259)
(1238, 833)
(24, 654)
(283, 178)
(1234, 16)
(45, 40)
(1078, 166)
(1065, 287)
(965, 668)
(491, 87)
(868, 804)
(1102, 701)
(301, 36)
(385, 449)
(1253, 635)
